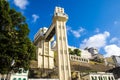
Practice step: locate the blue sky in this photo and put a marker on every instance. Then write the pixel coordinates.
(92, 23)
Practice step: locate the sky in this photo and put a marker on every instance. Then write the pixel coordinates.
(91, 23)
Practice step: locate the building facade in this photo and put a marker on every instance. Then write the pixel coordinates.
(79, 59)
(21, 75)
(45, 59)
(43, 42)
(98, 76)
(116, 60)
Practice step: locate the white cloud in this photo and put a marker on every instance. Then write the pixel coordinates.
(112, 50)
(97, 41)
(68, 28)
(21, 3)
(97, 30)
(35, 17)
(76, 33)
(116, 22)
(114, 40)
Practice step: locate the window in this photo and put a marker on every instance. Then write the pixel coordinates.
(100, 78)
(20, 71)
(112, 78)
(19, 78)
(24, 78)
(104, 78)
(109, 78)
(2, 79)
(24, 71)
(14, 78)
(94, 77)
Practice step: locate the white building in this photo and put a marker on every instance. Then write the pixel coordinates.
(21, 75)
(116, 60)
(84, 53)
(79, 59)
(98, 76)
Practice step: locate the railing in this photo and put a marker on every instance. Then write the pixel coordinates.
(79, 59)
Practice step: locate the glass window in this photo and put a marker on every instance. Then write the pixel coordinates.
(20, 71)
(100, 78)
(14, 78)
(24, 71)
(104, 78)
(94, 77)
(2, 79)
(24, 78)
(109, 78)
(19, 78)
(112, 78)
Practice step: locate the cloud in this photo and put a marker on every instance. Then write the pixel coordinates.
(112, 50)
(76, 33)
(116, 22)
(97, 30)
(35, 17)
(114, 40)
(97, 41)
(21, 3)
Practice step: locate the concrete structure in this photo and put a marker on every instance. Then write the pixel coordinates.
(21, 75)
(98, 76)
(79, 59)
(109, 62)
(45, 57)
(116, 60)
(44, 52)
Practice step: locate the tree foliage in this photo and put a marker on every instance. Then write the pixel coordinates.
(16, 49)
(75, 52)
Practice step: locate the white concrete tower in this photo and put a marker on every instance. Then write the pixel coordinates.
(59, 21)
(57, 27)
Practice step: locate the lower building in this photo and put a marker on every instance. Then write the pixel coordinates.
(116, 60)
(79, 59)
(21, 75)
(98, 76)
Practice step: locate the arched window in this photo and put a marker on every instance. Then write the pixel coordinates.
(109, 78)
(94, 77)
(19, 78)
(24, 78)
(14, 79)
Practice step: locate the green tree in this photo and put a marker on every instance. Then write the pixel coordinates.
(16, 49)
(70, 51)
(77, 52)
(74, 52)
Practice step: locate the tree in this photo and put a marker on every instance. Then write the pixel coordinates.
(74, 52)
(70, 51)
(16, 49)
(77, 52)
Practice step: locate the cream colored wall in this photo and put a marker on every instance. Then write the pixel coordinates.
(86, 54)
(97, 75)
(45, 61)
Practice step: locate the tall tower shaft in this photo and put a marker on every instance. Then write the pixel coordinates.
(59, 20)
(45, 55)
